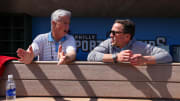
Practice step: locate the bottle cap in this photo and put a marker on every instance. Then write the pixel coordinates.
(10, 76)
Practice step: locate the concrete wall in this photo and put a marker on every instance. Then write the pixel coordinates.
(95, 8)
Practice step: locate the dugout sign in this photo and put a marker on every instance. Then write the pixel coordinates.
(86, 42)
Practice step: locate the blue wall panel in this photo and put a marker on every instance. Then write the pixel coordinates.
(89, 32)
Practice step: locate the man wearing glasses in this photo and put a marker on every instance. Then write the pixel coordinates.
(56, 45)
(123, 47)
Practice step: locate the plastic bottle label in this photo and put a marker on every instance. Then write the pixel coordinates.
(11, 92)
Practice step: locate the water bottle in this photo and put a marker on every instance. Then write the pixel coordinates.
(10, 89)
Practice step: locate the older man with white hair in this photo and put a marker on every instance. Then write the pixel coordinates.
(56, 45)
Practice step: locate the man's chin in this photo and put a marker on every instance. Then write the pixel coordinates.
(113, 44)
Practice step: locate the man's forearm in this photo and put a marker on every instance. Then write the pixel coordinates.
(107, 58)
(70, 58)
(150, 59)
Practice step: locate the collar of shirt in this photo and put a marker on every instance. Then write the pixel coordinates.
(50, 39)
(128, 46)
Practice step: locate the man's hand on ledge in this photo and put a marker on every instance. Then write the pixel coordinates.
(138, 59)
(25, 56)
(128, 56)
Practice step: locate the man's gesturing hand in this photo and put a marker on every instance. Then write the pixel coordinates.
(25, 56)
(61, 56)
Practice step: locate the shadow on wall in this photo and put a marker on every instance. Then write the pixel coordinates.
(152, 80)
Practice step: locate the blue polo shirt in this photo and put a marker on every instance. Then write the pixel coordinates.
(46, 48)
(50, 39)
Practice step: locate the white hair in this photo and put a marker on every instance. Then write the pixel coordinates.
(57, 14)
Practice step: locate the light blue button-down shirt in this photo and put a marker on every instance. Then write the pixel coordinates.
(137, 47)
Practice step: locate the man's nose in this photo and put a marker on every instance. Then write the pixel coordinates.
(111, 35)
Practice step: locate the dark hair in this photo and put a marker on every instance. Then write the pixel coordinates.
(129, 26)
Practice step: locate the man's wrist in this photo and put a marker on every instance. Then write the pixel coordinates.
(114, 57)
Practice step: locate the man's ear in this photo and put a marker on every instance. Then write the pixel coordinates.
(53, 23)
(128, 36)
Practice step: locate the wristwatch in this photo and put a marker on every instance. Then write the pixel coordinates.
(114, 56)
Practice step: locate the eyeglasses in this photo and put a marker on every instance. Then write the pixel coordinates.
(63, 22)
(115, 32)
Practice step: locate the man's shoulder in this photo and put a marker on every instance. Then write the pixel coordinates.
(69, 36)
(107, 40)
(44, 35)
(41, 37)
(139, 45)
(106, 43)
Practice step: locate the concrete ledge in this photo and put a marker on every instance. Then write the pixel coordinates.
(94, 79)
(80, 99)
